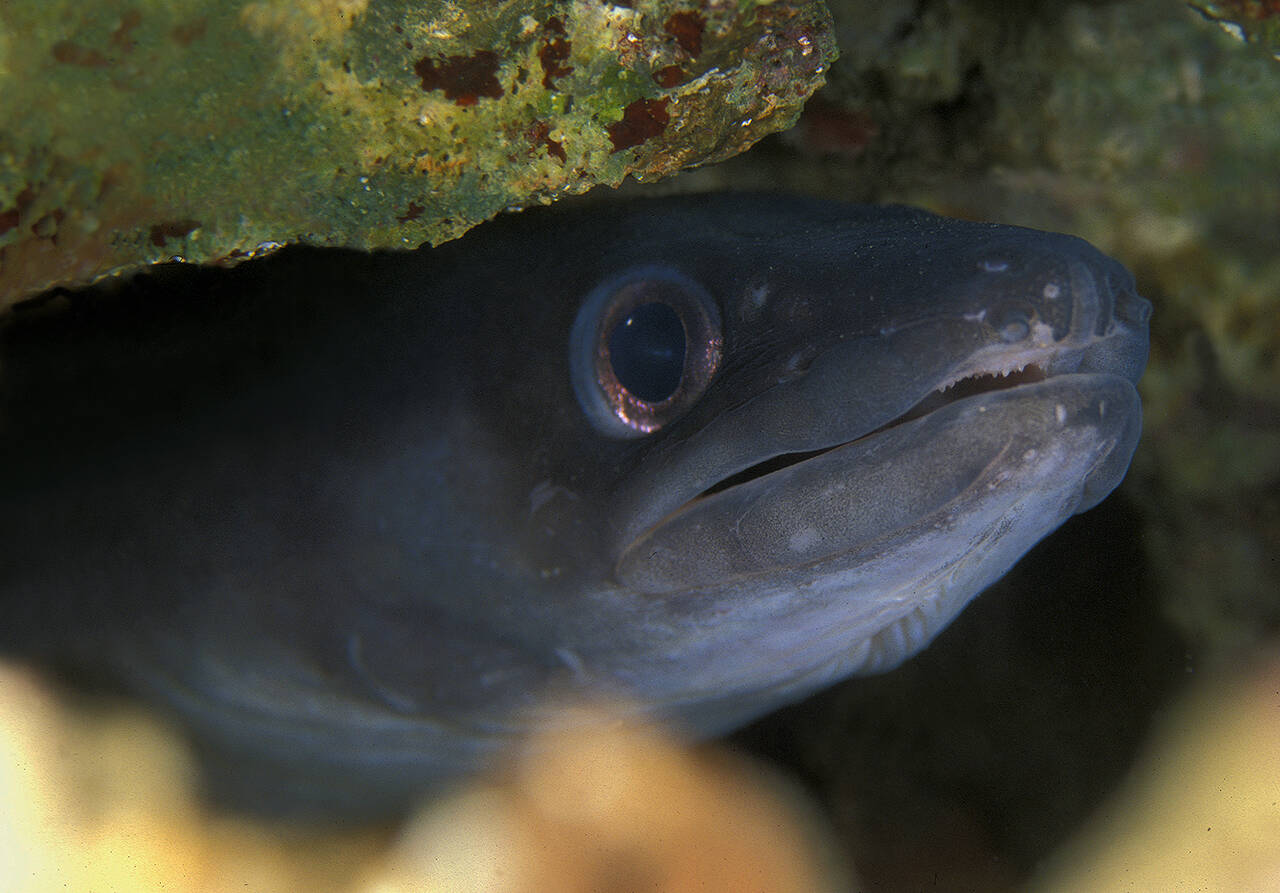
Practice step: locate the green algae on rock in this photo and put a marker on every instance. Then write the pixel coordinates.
(137, 131)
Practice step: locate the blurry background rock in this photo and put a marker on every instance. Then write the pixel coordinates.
(133, 131)
(607, 806)
(104, 800)
(1203, 811)
(101, 797)
(1148, 128)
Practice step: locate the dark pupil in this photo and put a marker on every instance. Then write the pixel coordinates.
(647, 352)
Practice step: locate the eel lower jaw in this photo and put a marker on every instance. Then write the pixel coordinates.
(962, 388)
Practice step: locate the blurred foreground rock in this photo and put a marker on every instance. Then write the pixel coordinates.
(1202, 810)
(103, 799)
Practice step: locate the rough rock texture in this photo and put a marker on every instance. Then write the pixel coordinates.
(133, 132)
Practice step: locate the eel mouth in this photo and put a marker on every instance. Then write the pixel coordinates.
(960, 389)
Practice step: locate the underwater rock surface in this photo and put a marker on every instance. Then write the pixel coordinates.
(215, 130)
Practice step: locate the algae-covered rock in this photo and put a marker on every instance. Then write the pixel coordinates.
(134, 131)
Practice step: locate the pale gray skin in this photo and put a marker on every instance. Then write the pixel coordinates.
(348, 518)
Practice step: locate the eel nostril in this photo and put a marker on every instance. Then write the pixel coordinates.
(1132, 308)
(1091, 305)
(1014, 327)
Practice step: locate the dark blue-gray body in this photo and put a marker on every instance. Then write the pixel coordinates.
(355, 517)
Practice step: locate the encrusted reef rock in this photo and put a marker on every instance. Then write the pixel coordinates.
(208, 130)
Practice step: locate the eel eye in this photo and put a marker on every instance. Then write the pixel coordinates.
(643, 348)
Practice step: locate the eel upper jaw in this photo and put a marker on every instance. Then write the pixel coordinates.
(999, 366)
(958, 461)
(979, 377)
(1106, 337)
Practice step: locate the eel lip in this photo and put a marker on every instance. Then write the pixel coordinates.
(1023, 457)
(951, 392)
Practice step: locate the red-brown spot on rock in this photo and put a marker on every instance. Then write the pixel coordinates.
(187, 34)
(414, 212)
(464, 79)
(553, 53)
(687, 28)
(539, 134)
(122, 36)
(69, 53)
(47, 226)
(641, 120)
(173, 229)
(671, 76)
(11, 217)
